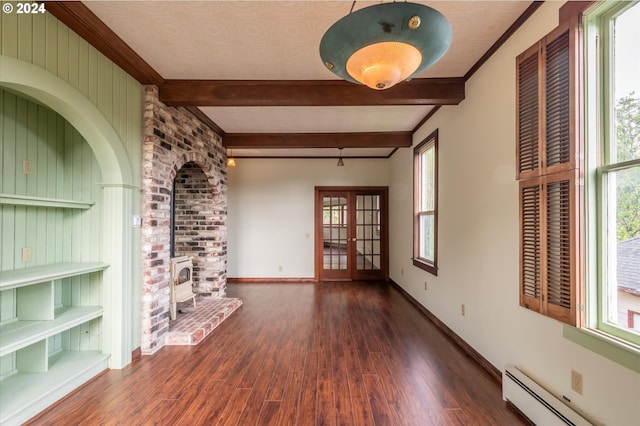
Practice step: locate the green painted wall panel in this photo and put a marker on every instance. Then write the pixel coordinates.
(60, 161)
(63, 52)
(9, 40)
(8, 145)
(74, 62)
(39, 33)
(60, 169)
(25, 40)
(51, 44)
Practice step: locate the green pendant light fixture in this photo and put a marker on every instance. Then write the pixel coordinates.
(382, 45)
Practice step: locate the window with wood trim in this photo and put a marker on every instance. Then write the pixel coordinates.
(613, 169)
(548, 167)
(425, 204)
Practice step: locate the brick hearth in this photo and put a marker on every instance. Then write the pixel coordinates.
(190, 328)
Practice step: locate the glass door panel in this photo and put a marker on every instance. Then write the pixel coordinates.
(334, 231)
(335, 236)
(368, 253)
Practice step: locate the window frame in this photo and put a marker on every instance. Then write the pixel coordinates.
(600, 127)
(429, 265)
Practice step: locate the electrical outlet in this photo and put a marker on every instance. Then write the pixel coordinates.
(425, 286)
(280, 268)
(26, 254)
(402, 271)
(462, 310)
(576, 382)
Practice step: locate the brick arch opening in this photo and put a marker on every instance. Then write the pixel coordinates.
(198, 222)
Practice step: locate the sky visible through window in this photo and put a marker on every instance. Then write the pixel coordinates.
(628, 53)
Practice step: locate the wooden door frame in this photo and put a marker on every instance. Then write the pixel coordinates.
(383, 191)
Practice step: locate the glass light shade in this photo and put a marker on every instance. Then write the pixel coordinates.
(382, 65)
(377, 44)
(231, 162)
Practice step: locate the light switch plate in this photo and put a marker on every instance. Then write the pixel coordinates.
(26, 254)
(27, 167)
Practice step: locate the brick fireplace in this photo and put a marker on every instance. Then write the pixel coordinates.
(184, 187)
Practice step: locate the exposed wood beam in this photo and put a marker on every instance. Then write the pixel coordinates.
(237, 93)
(87, 25)
(318, 140)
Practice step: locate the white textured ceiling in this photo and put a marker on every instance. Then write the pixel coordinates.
(278, 40)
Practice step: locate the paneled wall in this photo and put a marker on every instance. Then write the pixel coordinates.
(62, 166)
(41, 40)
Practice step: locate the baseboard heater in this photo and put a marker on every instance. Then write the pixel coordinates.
(536, 403)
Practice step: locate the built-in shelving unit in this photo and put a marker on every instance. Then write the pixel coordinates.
(54, 333)
(41, 375)
(48, 340)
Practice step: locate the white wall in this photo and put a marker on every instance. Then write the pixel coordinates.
(271, 218)
(478, 241)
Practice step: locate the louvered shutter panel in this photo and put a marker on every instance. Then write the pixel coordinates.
(530, 249)
(560, 231)
(528, 109)
(557, 124)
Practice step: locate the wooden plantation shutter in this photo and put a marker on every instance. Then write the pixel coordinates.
(560, 152)
(530, 249)
(560, 237)
(548, 167)
(528, 106)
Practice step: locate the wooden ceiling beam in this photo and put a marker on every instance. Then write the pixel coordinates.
(242, 93)
(87, 25)
(318, 140)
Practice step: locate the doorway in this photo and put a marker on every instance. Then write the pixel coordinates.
(351, 230)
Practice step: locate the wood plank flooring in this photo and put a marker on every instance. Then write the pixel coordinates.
(340, 353)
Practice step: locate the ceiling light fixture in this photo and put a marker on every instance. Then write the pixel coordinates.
(381, 45)
(231, 162)
(340, 161)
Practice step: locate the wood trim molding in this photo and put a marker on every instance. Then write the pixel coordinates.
(197, 112)
(81, 20)
(270, 280)
(318, 140)
(493, 49)
(468, 349)
(425, 91)
(504, 37)
(571, 10)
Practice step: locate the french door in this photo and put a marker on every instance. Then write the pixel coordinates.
(351, 233)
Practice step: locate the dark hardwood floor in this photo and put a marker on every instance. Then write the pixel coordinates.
(340, 353)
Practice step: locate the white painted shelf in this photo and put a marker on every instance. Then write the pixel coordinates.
(25, 200)
(37, 274)
(20, 334)
(38, 379)
(24, 395)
